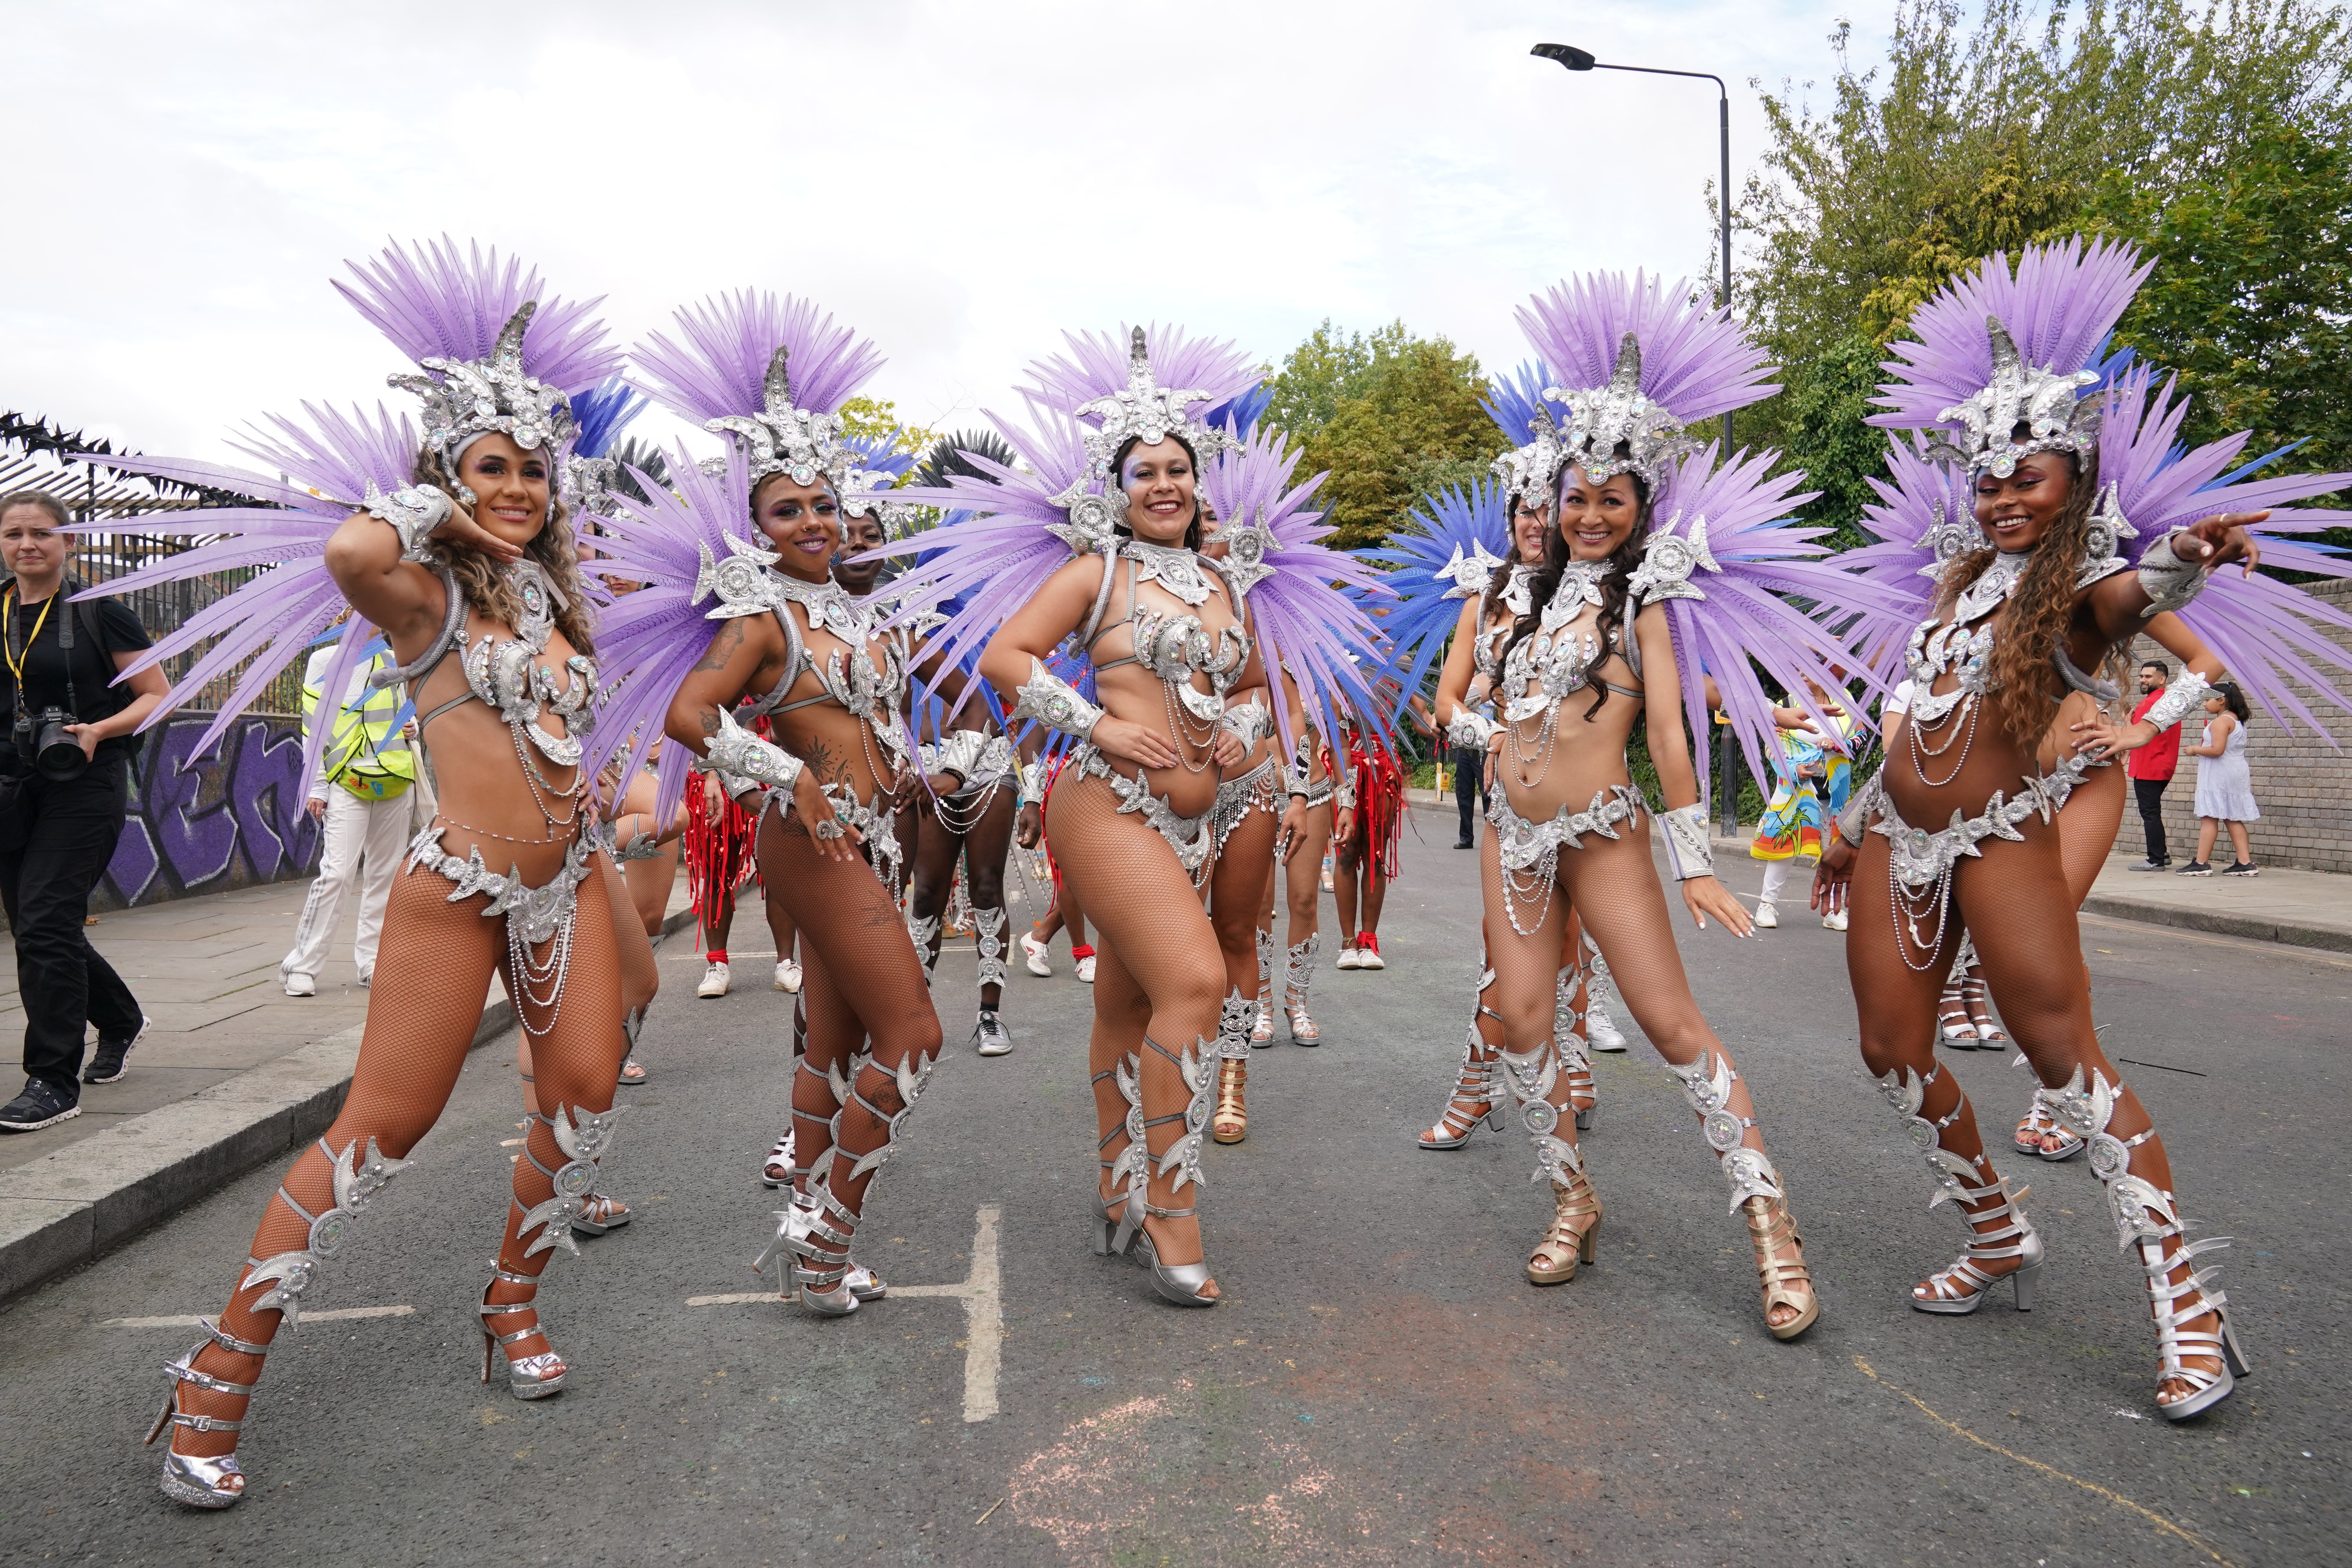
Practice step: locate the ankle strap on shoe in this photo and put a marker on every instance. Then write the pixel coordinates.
(584, 1137)
(229, 1342)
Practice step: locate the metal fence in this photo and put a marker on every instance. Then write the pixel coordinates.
(34, 456)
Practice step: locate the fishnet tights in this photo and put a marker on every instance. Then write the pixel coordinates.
(2018, 902)
(1489, 1027)
(1241, 888)
(983, 850)
(1159, 971)
(860, 981)
(432, 976)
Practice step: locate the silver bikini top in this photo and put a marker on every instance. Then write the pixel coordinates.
(852, 679)
(505, 674)
(1486, 650)
(1175, 647)
(1939, 647)
(1556, 660)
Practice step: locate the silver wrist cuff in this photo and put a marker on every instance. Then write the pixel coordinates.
(1032, 784)
(413, 511)
(959, 754)
(1471, 731)
(1055, 703)
(1688, 846)
(2169, 582)
(735, 749)
(2180, 700)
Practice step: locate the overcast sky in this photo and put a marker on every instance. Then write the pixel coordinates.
(959, 181)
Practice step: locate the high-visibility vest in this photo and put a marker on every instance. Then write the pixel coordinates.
(366, 753)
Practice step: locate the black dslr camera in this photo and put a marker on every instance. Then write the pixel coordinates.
(43, 743)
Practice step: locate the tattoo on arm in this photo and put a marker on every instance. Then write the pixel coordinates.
(723, 647)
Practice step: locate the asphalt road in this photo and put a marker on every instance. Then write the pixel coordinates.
(1380, 1384)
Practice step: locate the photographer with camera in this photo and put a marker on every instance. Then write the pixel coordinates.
(65, 785)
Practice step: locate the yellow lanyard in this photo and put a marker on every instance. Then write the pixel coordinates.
(8, 633)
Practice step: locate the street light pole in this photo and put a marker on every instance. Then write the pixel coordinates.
(1575, 59)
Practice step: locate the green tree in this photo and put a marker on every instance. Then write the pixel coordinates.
(1826, 435)
(1389, 415)
(872, 418)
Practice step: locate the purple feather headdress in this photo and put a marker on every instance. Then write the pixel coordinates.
(1446, 552)
(1302, 596)
(769, 374)
(276, 618)
(1727, 562)
(1995, 350)
(496, 356)
(1516, 404)
(2257, 625)
(1144, 383)
(672, 538)
(1637, 363)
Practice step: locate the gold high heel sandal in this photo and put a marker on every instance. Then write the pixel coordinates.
(1780, 1265)
(1575, 1232)
(1231, 1124)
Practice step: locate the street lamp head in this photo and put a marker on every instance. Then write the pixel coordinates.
(1568, 54)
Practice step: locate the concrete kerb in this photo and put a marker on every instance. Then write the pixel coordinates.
(75, 1205)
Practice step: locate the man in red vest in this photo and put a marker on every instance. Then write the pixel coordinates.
(2151, 767)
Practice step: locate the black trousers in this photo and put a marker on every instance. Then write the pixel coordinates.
(1469, 775)
(2149, 792)
(54, 842)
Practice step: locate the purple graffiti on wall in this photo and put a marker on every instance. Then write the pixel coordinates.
(229, 820)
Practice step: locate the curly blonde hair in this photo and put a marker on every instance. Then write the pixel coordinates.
(484, 582)
(2024, 696)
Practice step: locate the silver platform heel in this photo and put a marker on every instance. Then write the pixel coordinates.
(827, 1278)
(187, 1479)
(1962, 1288)
(530, 1376)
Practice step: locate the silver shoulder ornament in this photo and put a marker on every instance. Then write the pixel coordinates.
(740, 581)
(1668, 563)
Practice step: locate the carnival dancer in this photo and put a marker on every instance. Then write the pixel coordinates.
(1097, 537)
(1364, 858)
(459, 551)
(1658, 557)
(2063, 475)
(1294, 595)
(1810, 775)
(791, 643)
(1313, 793)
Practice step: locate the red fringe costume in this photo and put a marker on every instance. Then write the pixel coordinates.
(1380, 799)
(721, 849)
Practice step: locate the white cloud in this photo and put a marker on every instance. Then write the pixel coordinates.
(960, 182)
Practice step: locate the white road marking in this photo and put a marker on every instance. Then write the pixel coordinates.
(984, 1311)
(340, 1315)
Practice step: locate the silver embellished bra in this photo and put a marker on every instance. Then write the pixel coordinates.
(1962, 645)
(1175, 647)
(1557, 660)
(504, 673)
(1486, 649)
(852, 679)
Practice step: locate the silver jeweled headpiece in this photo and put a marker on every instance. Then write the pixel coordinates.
(799, 443)
(1602, 418)
(1147, 411)
(474, 397)
(2050, 403)
(1531, 470)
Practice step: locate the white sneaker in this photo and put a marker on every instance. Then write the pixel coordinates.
(1348, 959)
(1834, 921)
(1034, 956)
(1766, 917)
(788, 976)
(1368, 956)
(714, 982)
(1086, 969)
(301, 985)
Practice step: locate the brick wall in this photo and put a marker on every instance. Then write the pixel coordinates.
(2302, 784)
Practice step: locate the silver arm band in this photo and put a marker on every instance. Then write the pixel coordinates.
(413, 511)
(1855, 817)
(1032, 784)
(1055, 703)
(2178, 700)
(1472, 731)
(959, 754)
(1687, 843)
(1250, 724)
(2169, 582)
(735, 749)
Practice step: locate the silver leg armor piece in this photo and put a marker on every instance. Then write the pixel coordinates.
(988, 926)
(1298, 978)
(1136, 1162)
(1233, 1021)
(1708, 1081)
(290, 1274)
(2147, 1218)
(1261, 1031)
(1531, 1075)
(924, 935)
(1601, 1030)
(584, 1136)
(1963, 1287)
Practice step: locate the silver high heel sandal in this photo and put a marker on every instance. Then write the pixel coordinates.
(2145, 1216)
(793, 1224)
(530, 1376)
(828, 1287)
(1182, 1283)
(196, 1481)
(1479, 1084)
(1298, 974)
(1962, 1288)
(1262, 1033)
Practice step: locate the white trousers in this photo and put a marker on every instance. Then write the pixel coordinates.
(364, 842)
(1776, 877)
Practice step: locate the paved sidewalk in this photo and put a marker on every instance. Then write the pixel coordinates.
(231, 1074)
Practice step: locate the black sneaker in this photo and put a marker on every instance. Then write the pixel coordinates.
(2196, 868)
(2242, 869)
(41, 1105)
(107, 1064)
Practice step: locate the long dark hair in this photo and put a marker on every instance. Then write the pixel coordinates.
(2040, 611)
(2227, 690)
(1119, 462)
(1544, 582)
